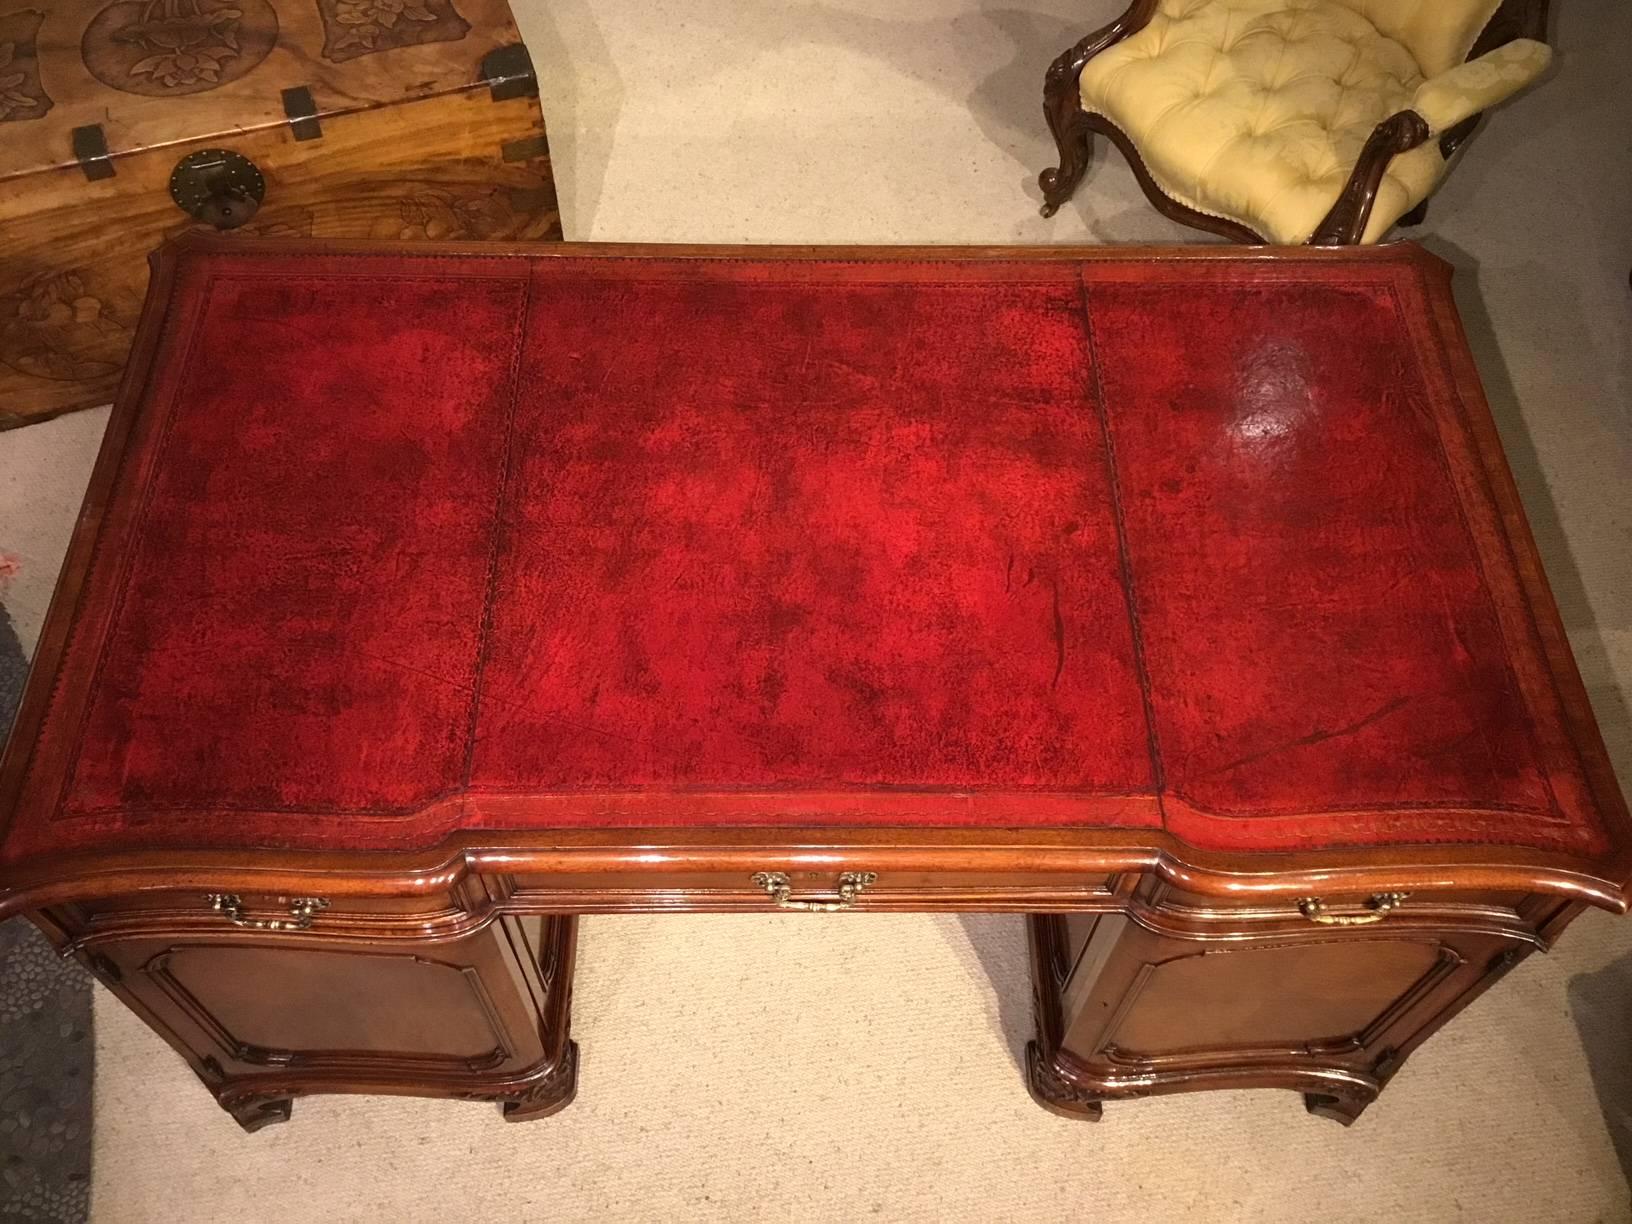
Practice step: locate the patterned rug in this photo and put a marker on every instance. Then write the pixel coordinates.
(46, 1050)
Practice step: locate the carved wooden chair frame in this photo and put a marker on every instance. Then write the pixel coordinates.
(1344, 225)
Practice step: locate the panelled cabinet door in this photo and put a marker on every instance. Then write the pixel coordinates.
(1333, 1013)
(315, 1006)
(272, 1015)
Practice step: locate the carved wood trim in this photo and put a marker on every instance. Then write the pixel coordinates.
(546, 1095)
(546, 1087)
(1062, 103)
(1345, 224)
(1142, 1079)
(1057, 1092)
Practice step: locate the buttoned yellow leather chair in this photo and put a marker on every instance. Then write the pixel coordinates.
(1289, 121)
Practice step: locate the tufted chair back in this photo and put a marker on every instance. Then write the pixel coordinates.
(1438, 33)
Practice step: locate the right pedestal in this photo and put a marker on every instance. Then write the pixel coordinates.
(1176, 995)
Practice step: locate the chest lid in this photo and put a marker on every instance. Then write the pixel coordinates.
(85, 79)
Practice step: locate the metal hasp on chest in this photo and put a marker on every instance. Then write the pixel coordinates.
(426, 598)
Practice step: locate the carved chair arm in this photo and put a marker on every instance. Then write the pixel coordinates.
(1463, 91)
(1345, 224)
(1440, 104)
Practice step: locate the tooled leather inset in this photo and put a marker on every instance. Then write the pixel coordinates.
(1235, 722)
(553, 438)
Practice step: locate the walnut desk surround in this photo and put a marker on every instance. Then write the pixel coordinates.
(426, 598)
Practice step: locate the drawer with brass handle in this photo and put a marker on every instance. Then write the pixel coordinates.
(226, 909)
(851, 884)
(1174, 908)
(301, 911)
(1377, 907)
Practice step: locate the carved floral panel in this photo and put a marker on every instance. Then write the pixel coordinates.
(436, 213)
(363, 27)
(59, 326)
(163, 48)
(21, 94)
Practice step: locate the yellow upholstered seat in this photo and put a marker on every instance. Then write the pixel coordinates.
(1256, 111)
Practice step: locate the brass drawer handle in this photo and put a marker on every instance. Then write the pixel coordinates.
(779, 889)
(301, 912)
(1380, 905)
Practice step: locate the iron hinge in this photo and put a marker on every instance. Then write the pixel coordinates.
(301, 111)
(90, 145)
(508, 72)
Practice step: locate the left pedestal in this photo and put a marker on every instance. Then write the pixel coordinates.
(273, 997)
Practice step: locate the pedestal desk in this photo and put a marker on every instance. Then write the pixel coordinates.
(426, 598)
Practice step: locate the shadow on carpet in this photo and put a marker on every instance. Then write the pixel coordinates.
(1601, 1004)
(46, 1050)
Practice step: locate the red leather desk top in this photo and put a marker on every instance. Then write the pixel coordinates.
(389, 546)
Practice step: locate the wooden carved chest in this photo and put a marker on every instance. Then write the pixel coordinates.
(124, 123)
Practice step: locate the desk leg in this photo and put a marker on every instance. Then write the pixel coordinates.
(553, 1086)
(1053, 1084)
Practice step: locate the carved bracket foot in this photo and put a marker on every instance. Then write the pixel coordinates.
(1338, 1108)
(1055, 1091)
(549, 1094)
(254, 1112)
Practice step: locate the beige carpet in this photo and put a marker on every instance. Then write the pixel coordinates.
(837, 1068)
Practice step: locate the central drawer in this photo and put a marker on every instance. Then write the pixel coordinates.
(791, 886)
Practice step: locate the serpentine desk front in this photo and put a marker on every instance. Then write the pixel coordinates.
(427, 598)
